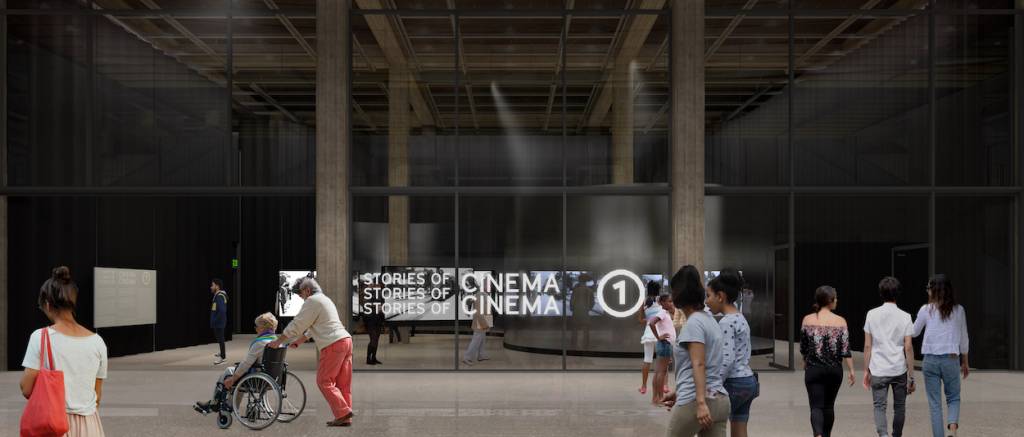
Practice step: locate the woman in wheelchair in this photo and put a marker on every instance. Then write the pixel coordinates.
(266, 325)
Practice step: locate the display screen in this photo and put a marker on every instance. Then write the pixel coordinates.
(287, 302)
(407, 293)
(124, 297)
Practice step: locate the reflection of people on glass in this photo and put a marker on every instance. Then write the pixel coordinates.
(648, 339)
(284, 293)
(746, 300)
(481, 324)
(371, 306)
(582, 302)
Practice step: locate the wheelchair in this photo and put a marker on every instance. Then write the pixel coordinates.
(268, 393)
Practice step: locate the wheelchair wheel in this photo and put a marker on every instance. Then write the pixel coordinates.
(256, 401)
(294, 398)
(224, 420)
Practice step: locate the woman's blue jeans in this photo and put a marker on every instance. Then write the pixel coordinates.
(942, 373)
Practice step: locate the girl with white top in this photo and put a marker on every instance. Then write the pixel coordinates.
(740, 382)
(945, 350)
(648, 340)
(78, 352)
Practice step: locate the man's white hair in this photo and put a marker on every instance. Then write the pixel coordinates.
(309, 283)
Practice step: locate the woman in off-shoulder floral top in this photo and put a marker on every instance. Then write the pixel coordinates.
(825, 346)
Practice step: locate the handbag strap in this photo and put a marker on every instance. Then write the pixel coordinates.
(45, 345)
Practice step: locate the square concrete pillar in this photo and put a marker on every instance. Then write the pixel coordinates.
(687, 133)
(333, 145)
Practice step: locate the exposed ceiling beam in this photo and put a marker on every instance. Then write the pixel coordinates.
(472, 106)
(639, 29)
(567, 23)
(390, 45)
(733, 24)
(287, 23)
(273, 102)
(822, 43)
(877, 27)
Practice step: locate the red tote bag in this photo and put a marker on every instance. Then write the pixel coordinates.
(45, 415)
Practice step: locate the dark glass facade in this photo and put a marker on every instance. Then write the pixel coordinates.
(842, 144)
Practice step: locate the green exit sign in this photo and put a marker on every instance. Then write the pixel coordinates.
(234, 263)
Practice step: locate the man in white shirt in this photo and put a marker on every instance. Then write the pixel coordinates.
(889, 357)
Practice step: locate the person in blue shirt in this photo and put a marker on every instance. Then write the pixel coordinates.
(219, 316)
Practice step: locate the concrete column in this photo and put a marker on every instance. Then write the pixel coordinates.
(622, 123)
(687, 172)
(333, 145)
(399, 117)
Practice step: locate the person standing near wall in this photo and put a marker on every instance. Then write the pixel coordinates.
(318, 319)
(945, 348)
(889, 357)
(219, 317)
(78, 352)
(825, 346)
(581, 303)
(372, 306)
(475, 351)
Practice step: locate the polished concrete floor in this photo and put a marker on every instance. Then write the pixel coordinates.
(151, 394)
(422, 352)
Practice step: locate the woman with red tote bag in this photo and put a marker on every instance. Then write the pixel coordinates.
(44, 414)
(65, 365)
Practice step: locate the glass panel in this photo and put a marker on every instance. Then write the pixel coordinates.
(161, 120)
(274, 100)
(850, 243)
(510, 131)
(974, 130)
(747, 103)
(861, 101)
(48, 86)
(746, 233)
(636, 239)
(395, 236)
(617, 107)
(516, 235)
(403, 100)
(974, 248)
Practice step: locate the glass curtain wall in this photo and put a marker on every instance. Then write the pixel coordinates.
(516, 130)
(875, 125)
(512, 135)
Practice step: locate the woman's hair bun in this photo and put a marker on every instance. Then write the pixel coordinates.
(62, 273)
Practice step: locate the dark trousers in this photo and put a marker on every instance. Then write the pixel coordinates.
(822, 388)
(219, 334)
(374, 324)
(880, 392)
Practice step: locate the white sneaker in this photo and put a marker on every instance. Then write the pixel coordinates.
(467, 362)
(219, 361)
